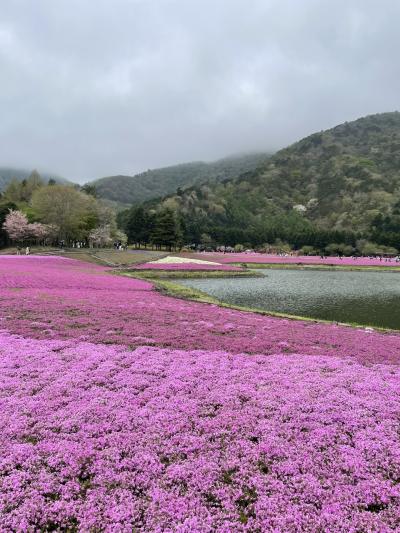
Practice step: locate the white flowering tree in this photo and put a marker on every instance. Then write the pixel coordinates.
(100, 237)
(42, 233)
(17, 226)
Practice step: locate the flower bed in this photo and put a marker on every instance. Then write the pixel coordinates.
(101, 438)
(301, 259)
(61, 299)
(123, 409)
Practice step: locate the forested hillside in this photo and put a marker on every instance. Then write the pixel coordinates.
(162, 181)
(337, 185)
(7, 174)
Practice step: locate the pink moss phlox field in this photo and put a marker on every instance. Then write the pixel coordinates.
(185, 266)
(53, 298)
(126, 410)
(101, 438)
(301, 259)
(39, 272)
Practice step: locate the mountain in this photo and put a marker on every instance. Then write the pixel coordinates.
(162, 181)
(8, 173)
(345, 179)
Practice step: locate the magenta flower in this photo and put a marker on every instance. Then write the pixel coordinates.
(125, 410)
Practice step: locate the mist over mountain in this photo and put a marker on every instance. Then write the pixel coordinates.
(162, 181)
(7, 174)
(345, 179)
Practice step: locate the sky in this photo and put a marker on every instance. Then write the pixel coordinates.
(90, 88)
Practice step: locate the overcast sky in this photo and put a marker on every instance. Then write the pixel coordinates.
(90, 88)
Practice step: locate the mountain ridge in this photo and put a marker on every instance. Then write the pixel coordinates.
(156, 183)
(344, 179)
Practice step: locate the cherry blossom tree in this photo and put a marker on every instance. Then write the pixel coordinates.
(42, 232)
(100, 236)
(17, 226)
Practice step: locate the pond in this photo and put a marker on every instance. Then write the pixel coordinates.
(368, 298)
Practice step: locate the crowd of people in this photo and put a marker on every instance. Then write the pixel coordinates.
(27, 250)
(118, 245)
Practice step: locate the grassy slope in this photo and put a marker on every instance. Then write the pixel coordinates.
(191, 274)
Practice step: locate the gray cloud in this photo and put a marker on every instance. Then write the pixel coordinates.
(96, 87)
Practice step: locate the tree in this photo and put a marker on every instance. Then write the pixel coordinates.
(74, 212)
(17, 226)
(89, 189)
(165, 231)
(12, 192)
(120, 236)
(21, 191)
(137, 226)
(100, 237)
(42, 232)
(339, 249)
(308, 250)
(4, 211)
(205, 239)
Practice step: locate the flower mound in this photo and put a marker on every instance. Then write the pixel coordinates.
(186, 266)
(101, 438)
(184, 263)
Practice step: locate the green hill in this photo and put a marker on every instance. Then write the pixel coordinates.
(7, 174)
(162, 181)
(344, 180)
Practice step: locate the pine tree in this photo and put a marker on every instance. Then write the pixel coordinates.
(137, 223)
(165, 229)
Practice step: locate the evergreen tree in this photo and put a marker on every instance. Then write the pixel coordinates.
(137, 226)
(165, 231)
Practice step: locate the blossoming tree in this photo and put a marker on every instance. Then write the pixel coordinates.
(17, 226)
(19, 229)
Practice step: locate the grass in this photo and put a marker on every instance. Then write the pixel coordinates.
(192, 274)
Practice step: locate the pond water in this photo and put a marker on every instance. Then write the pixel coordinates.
(368, 298)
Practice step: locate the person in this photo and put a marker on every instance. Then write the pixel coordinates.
(18, 250)
(27, 250)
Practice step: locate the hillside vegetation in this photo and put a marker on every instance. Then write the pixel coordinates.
(162, 181)
(8, 174)
(344, 181)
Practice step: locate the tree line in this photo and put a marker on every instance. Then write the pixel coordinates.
(32, 211)
(161, 228)
(166, 227)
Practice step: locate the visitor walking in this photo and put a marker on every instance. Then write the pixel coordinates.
(27, 250)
